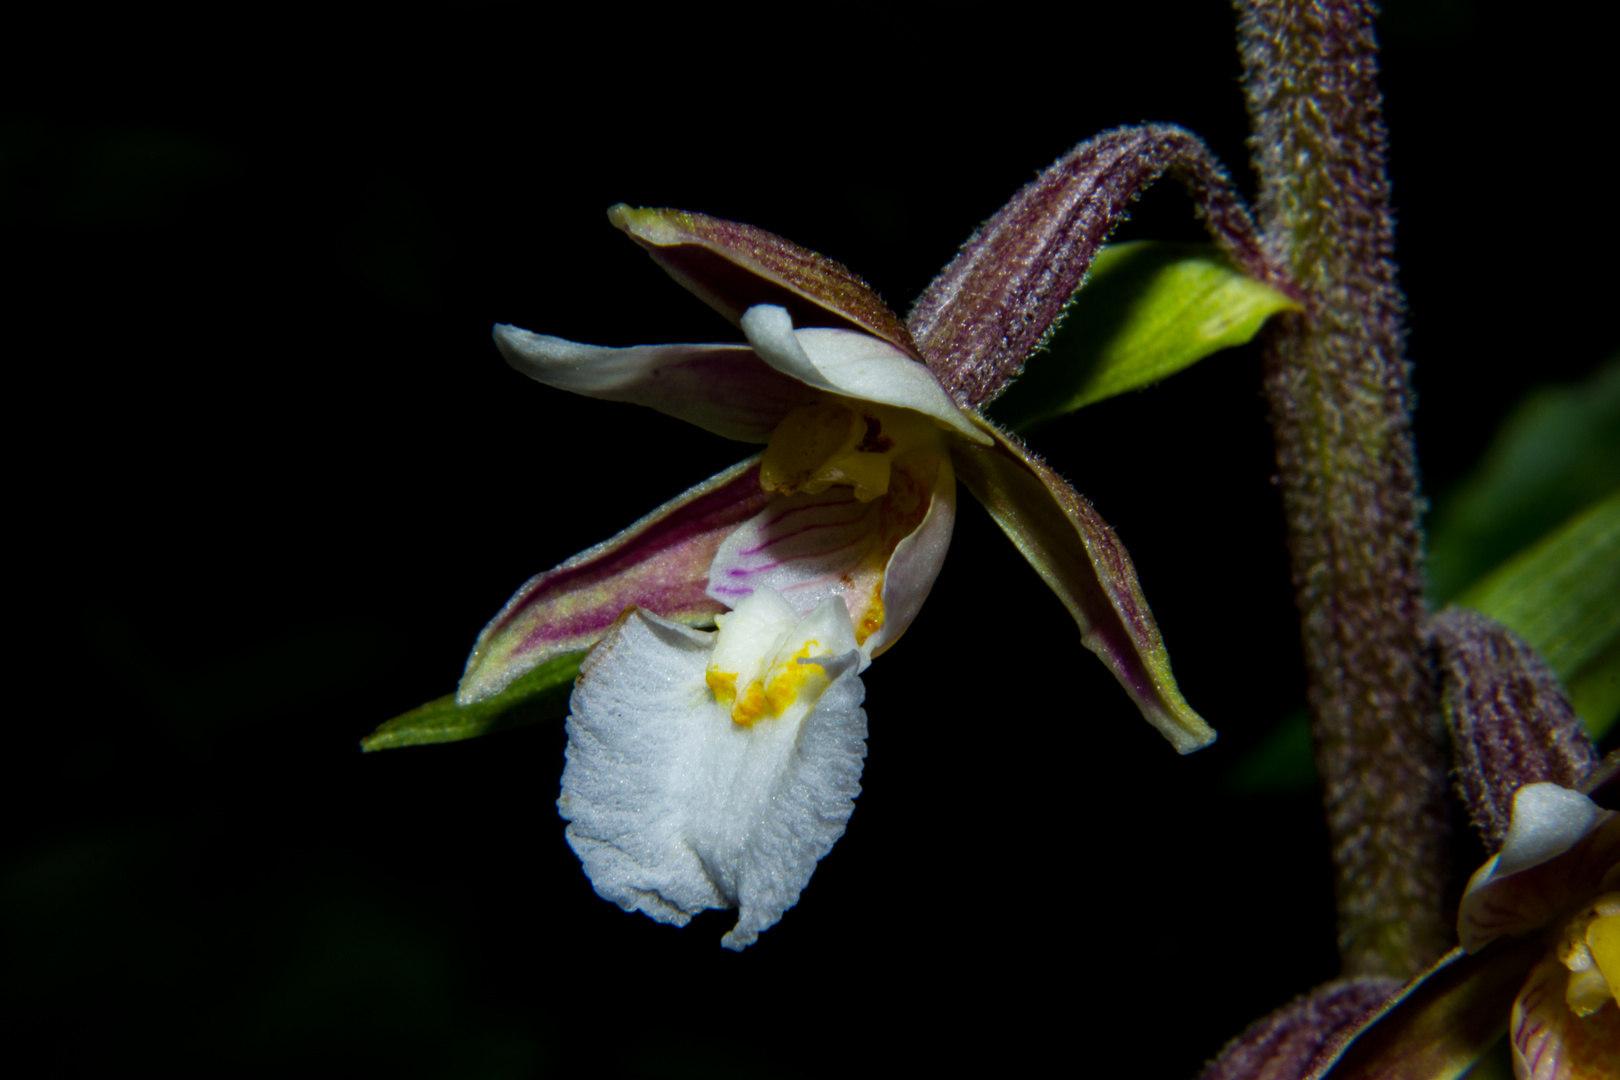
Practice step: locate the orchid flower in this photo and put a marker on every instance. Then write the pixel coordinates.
(1539, 923)
(1539, 926)
(1557, 878)
(712, 768)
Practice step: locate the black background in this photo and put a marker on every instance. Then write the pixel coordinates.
(272, 478)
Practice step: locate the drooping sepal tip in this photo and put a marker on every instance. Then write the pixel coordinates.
(1081, 559)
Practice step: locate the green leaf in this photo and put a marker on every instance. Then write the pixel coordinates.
(1558, 451)
(1594, 690)
(1146, 311)
(539, 696)
(1562, 595)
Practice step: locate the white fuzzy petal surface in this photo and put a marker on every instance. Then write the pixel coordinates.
(673, 808)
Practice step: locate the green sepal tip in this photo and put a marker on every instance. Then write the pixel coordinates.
(539, 696)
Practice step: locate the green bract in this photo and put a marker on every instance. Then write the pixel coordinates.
(1562, 595)
(1557, 452)
(1147, 311)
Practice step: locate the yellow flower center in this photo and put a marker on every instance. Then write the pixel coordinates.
(764, 659)
(773, 693)
(1590, 948)
(842, 441)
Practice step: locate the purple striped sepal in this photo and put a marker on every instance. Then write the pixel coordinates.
(732, 267)
(661, 563)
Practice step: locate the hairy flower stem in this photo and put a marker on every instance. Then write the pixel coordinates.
(1340, 401)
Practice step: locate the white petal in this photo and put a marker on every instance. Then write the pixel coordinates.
(916, 562)
(853, 364)
(725, 389)
(751, 634)
(1558, 851)
(1547, 820)
(673, 808)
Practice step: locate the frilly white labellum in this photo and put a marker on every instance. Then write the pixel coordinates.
(673, 805)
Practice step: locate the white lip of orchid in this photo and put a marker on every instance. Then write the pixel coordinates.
(1547, 821)
(673, 806)
(852, 365)
(763, 664)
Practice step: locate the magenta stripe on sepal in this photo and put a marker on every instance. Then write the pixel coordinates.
(661, 563)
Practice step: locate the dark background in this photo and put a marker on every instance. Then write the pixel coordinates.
(272, 478)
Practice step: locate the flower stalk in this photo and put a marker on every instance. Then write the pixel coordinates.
(1338, 387)
(1005, 292)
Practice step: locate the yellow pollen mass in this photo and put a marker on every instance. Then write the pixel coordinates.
(1589, 947)
(790, 679)
(842, 441)
(805, 445)
(723, 683)
(872, 621)
(771, 696)
(1603, 938)
(751, 705)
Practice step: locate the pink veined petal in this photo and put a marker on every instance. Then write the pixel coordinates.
(1550, 1042)
(1534, 898)
(726, 389)
(660, 563)
(919, 555)
(812, 547)
(799, 545)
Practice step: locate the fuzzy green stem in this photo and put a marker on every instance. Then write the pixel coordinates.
(1340, 401)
